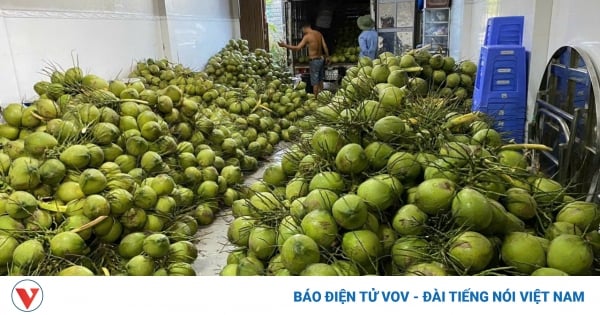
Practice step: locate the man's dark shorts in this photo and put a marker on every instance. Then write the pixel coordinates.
(317, 70)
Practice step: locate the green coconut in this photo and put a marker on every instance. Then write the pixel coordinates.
(378, 154)
(296, 188)
(156, 245)
(24, 173)
(404, 165)
(548, 272)
(298, 252)
(391, 97)
(13, 114)
(389, 128)
(183, 251)
(8, 244)
(441, 168)
(96, 155)
(92, 181)
(376, 193)
(350, 211)
(319, 269)
(584, 215)
(232, 174)
(28, 254)
(546, 190)
(105, 133)
(38, 142)
(499, 219)
(265, 202)
(162, 184)
(145, 197)
(571, 254)
(96, 206)
(76, 156)
(434, 269)
(487, 137)
(523, 251)
(362, 247)
(319, 199)
(321, 226)
(238, 231)
(455, 153)
(370, 110)
(75, 271)
(65, 244)
(131, 245)
(75, 222)
(558, 228)
(409, 220)
(394, 183)
(513, 159)
(472, 251)
(140, 266)
(20, 204)
(9, 132)
(520, 203)
(327, 180)
(274, 175)
(288, 227)
(351, 159)
(262, 242)
(472, 209)
(435, 196)
(326, 141)
(408, 251)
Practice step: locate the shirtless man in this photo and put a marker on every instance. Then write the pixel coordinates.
(318, 54)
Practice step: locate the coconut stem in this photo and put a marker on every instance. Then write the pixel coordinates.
(526, 146)
(90, 224)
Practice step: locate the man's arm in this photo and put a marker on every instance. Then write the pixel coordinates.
(300, 45)
(325, 49)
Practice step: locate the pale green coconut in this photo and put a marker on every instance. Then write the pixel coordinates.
(520, 203)
(523, 251)
(473, 251)
(571, 254)
(434, 196)
(321, 226)
(409, 220)
(351, 159)
(472, 209)
(585, 215)
(350, 211)
(376, 193)
(298, 252)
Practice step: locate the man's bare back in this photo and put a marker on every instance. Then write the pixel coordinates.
(315, 42)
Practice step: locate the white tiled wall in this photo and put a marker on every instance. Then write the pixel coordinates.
(106, 36)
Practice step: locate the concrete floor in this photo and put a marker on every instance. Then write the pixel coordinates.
(213, 246)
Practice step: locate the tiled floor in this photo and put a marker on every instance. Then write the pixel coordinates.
(213, 246)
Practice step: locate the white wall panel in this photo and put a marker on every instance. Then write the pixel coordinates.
(107, 36)
(194, 39)
(9, 88)
(197, 32)
(104, 43)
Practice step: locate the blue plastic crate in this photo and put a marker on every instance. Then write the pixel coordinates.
(507, 102)
(511, 129)
(502, 68)
(504, 30)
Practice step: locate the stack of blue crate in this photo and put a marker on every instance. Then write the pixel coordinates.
(501, 82)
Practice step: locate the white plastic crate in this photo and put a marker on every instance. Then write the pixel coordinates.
(332, 74)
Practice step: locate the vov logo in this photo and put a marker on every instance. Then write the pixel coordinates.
(27, 295)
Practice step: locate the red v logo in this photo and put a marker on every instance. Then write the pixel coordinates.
(25, 297)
